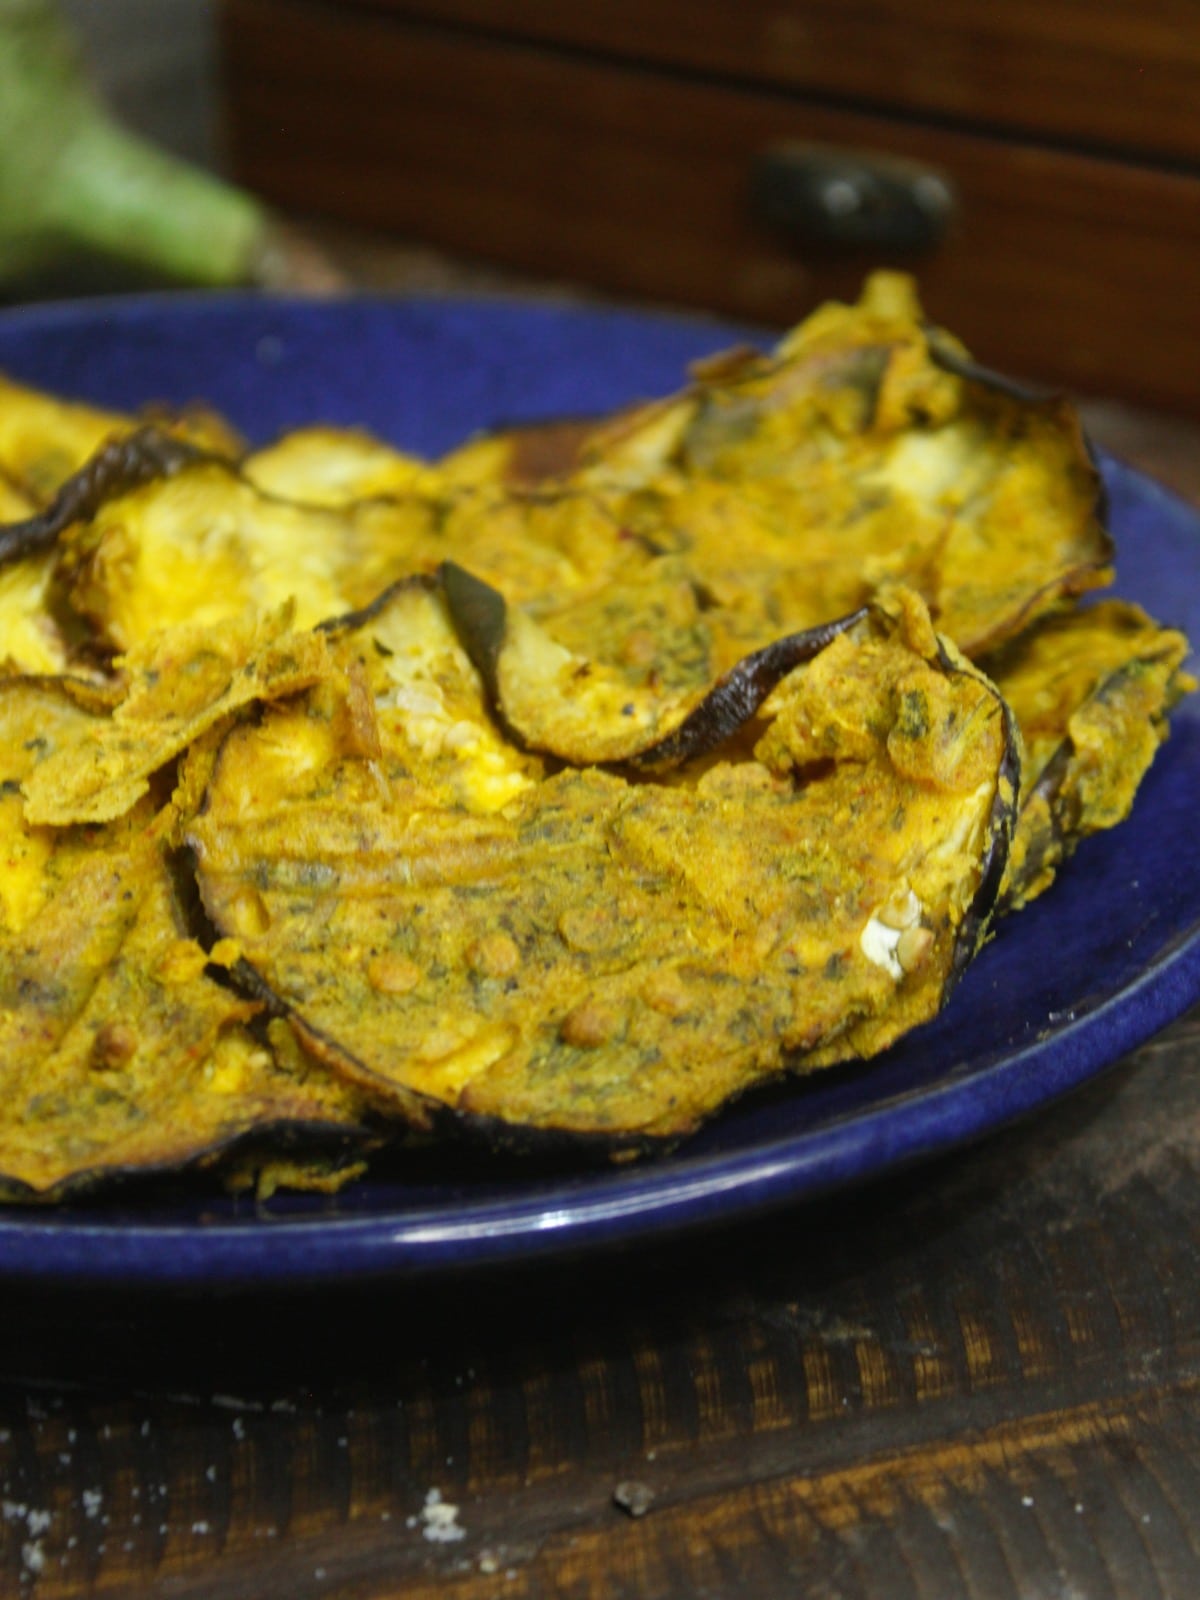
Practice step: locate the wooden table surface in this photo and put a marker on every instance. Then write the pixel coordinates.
(977, 1379)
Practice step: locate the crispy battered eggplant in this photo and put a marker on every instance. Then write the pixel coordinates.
(160, 526)
(50, 447)
(144, 456)
(175, 689)
(794, 485)
(575, 953)
(119, 1053)
(59, 462)
(45, 439)
(582, 712)
(207, 543)
(777, 492)
(31, 638)
(204, 545)
(581, 816)
(1091, 691)
(38, 717)
(333, 467)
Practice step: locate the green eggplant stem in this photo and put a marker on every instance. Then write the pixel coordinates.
(120, 196)
(74, 184)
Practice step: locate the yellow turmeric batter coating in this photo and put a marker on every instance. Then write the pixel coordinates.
(572, 951)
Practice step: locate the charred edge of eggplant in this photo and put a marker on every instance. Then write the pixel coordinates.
(1053, 844)
(179, 863)
(543, 449)
(347, 621)
(472, 1129)
(1050, 780)
(127, 463)
(1103, 501)
(1071, 585)
(480, 616)
(960, 366)
(250, 981)
(194, 921)
(950, 360)
(426, 1114)
(1001, 823)
(246, 979)
(278, 1135)
(1058, 842)
(735, 698)
(524, 1141)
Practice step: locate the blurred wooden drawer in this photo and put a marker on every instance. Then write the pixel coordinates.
(621, 149)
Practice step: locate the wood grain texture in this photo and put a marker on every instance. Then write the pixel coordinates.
(1111, 74)
(980, 1379)
(1061, 266)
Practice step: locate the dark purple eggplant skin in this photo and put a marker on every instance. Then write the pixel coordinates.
(139, 458)
(1061, 837)
(1002, 822)
(958, 365)
(735, 698)
(480, 617)
(1057, 843)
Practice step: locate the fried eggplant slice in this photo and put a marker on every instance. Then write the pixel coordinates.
(796, 484)
(575, 953)
(205, 544)
(583, 712)
(334, 467)
(175, 688)
(624, 450)
(776, 493)
(779, 491)
(38, 717)
(142, 456)
(44, 439)
(1091, 691)
(851, 456)
(30, 639)
(39, 631)
(119, 1053)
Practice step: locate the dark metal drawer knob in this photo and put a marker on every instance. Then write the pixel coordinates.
(851, 200)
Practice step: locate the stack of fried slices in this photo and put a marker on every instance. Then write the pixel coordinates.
(560, 790)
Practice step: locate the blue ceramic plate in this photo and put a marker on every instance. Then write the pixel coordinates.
(1096, 967)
